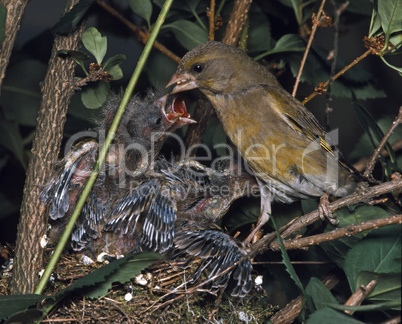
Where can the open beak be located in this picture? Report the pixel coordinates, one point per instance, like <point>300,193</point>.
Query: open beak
<point>174,110</point>
<point>183,82</point>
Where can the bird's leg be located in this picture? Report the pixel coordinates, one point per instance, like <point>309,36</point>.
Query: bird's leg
<point>324,211</point>
<point>265,212</point>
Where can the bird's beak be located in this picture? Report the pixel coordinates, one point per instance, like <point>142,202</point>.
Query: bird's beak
<point>174,110</point>
<point>183,82</point>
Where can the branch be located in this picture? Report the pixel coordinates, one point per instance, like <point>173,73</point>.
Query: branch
<point>57,90</point>
<point>236,22</point>
<point>376,154</point>
<point>333,55</point>
<point>298,223</point>
<point>346,68</point>
<point>337,233</point>
<point>310,41</point>
<point>359,295</point>
<point>15,10</point>
<point>211,18</point>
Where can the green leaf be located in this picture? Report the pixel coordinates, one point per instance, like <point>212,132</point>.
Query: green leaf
<point>370,126</point>
<point>116,72</point>
<point>188,33</point>
<point>287,43</point>
<point>364,147</point>
<point>366,308</point>
<point>111,65</point>
<point>338,249</point>
<point>375,23</point>
<point>94,96</point>
<point>10,138</point>
<point>287,262</point>
<point>78,56</point>
<point>388,287</point>
<point>13,304</point>
<point>72,18</point>
<point>259,36</point>
<point>98,282</point>
<point>330,316</point>
<point>318,296</point>
<point>142,8</point>
<point>129,267</point>
<point>379,252</point>
<point>390,12</point>
<point>3,19</point>
<point>95,43</point>
<point>112,61</point>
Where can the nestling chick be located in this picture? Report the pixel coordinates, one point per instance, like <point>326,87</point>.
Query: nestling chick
<point>195,196</point>
<point>281,141</point>
<point>139,137</point>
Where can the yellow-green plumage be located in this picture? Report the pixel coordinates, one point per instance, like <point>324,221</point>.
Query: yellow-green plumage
<point>281,141</point>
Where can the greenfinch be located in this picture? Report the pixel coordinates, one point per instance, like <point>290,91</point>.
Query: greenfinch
<point>280,140</point>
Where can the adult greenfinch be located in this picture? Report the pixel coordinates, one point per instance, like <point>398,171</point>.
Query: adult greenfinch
<point>281,141</point>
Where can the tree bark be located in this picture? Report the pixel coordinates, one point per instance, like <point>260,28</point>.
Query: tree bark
<point>15,9</point>
<point>57,90</point>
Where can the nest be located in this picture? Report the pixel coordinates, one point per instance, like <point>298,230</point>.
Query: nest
<point>160,295</point>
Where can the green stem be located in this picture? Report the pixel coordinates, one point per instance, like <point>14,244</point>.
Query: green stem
<point>88,186</point>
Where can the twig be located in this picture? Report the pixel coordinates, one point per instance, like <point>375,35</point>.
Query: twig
<point>83,309</point>
<point>310,41</point>
<point>359,295</point>
<point>303,221</point>
<point>346,68</point>
<point>334,56</point>
<point>236,22</point>
<point>211,16</point>
<point>337,233</point>
<point>376,154</point>
<point>141,35</point>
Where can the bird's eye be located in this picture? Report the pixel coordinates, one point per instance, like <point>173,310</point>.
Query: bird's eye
<point>197,68</point>
<point>155,122</point>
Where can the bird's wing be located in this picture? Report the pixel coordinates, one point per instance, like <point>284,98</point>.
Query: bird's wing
<point>218,251</point>
<point>189,173</point>
<point>91,220</point>
<point>146,211</point>
<point>74,170</point>
<point>297,116</point>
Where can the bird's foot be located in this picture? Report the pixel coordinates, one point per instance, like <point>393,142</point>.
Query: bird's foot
<point>324,210</point>
<point>254,235</point>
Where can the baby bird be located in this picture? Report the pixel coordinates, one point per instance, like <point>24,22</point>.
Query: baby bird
<point>195,196</point>
<point>139,137</point>
<point>281,141</point>
<point>166,207</point>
